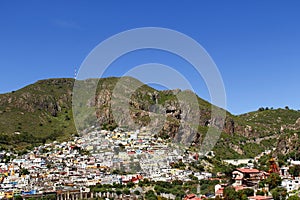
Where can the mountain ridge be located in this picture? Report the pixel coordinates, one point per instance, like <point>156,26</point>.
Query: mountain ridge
<point>42,111</point>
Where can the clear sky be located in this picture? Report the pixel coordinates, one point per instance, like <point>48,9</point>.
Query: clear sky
<point>255,44</point>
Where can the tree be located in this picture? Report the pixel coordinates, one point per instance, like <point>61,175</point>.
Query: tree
<point>294,197</point>
<point>158,189</point>
<point>294,170</point>
<point>126,191</point>
<point>230,194</point>
<point>24,171</point>
<point>192,177</point>
<point>130,184</point>
<point>260,192</point>
<point>279,193</point>
<point>18,197</point>
<point>50,197</point>
<point>150,195</point>
<point>177,182</point>
<point>273,180</point>
<point>248,192</point>
<point>143,183</point>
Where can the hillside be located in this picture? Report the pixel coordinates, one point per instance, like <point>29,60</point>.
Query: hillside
<point>36,113</point>
<point>43,111</point>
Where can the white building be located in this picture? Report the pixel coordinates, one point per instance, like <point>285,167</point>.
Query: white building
<point>291,184</point>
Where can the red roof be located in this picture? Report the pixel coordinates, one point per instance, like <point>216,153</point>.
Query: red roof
<point>135,179</point>
<point>220,191</point>
<point>237,188</point>
<point>246,170</point>
<point>260,197</point>
<point>192,197</point>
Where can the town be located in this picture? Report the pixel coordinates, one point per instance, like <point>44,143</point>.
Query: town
<point>125,161</point>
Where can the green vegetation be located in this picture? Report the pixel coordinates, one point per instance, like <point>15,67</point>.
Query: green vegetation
<point>220,166</point>
<point>231,194</point>
<point>24,171</point>
<point>150,195</point>
<point>42,112</point>
<point>36,114</point>
<point>264,163</point>
<point>268,122</point>
<point>208,186</point>
<point>294,170</point>
<point>279,193</point>
<point>177,188</point>
<point>294,197</point>
<point>273,181</point>
<point>118,188</point>
<point>178,165</point>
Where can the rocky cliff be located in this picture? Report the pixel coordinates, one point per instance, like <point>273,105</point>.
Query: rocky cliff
<point>43,111</point>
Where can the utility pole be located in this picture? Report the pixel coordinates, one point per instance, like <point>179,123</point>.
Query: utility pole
<point>198,189</point>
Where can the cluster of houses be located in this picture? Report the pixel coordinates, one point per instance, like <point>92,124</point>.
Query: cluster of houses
<point>105,157</point>
<point>249,178</point>
<point>139,152</point>
<point>120,157</point>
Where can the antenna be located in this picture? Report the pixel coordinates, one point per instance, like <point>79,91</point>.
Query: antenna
<point>75,73</point>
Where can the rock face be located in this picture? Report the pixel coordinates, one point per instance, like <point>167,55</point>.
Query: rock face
<point>144,106</point>
<point>290,127</point>
<point>229,126</point>
<point>287,144</point>
<point>297,124</point>
<point>39,97</point>
<point>46,107</point>
<point>172,113</point>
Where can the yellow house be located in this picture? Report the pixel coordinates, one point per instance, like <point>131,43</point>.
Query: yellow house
<point>1,194</point>
<point>8,195</point>
<point>91,167</point>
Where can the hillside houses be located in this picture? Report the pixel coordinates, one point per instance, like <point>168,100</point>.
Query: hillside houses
<point>98,157</point>
<point>247,177</point>
<point>114,157</point>
<point>250,178</point>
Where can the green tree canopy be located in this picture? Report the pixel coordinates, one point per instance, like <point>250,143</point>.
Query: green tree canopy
<point>279,193</point>
<point>230,194</point>
<point>150,195</point>
<point>294,197</point>
<point>274,180</point>
<point>294,170</point>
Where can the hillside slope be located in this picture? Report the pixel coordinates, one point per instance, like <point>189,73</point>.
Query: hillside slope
<point>43,111</point>
<point>36,113</point>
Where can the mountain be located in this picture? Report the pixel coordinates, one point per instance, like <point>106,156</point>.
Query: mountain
<point>42,111</point>
<point>36,113</point>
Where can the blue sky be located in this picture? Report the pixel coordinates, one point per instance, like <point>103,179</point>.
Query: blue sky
<point>255,44</point>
